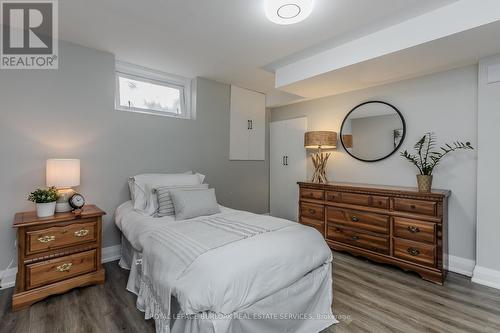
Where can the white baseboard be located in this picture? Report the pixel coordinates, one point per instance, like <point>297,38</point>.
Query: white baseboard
<point>110,253</point>
<point>460,265</point>
<point>486,276</point>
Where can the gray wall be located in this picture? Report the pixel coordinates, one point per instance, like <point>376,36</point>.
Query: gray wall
<point>70,113</point>
<point>445,103</point>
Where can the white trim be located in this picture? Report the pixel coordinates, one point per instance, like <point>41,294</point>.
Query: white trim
<point>110,253</point>
<point>486,276</point>
<point>460,265</point>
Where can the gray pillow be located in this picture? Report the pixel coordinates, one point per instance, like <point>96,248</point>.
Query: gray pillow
<point>193,203</point>
<point>165,204</point>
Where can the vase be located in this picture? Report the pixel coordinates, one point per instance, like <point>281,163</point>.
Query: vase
<point>45,209</point>
<point>424,183</point>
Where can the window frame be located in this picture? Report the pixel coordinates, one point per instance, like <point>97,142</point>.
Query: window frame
<point>139,73</point>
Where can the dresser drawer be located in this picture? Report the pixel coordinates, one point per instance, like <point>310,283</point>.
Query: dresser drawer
<point>356,199</point>
<point>358,239</point>
<point>312,211</point>
<point>59,269</point>
<point>415,206</point>
<point>361,220</point>
<point>380,202</point>
<point>316,224</point>
<point>307,193</point>
<point>419,231</point>
<point>333,196</point>
<point>420,253</point>
<point>60,236</point>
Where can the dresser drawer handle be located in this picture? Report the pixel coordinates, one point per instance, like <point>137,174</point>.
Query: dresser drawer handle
<point>64,267</point>
<point>354,219</point>
<point>413,229</point>
<point>47,239</point>
<point>81,233</point>
<point>312,211</point>
<point>355,238</point>
<point>413,251</point>
<point>413,207</point>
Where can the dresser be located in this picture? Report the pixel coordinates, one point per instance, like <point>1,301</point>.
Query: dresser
<point>392,225</point>
<point>56,254</point>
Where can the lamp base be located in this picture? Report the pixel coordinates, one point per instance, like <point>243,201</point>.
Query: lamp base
<point>319,161</point>
<point>62,204</point>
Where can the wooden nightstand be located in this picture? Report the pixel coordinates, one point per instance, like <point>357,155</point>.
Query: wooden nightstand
<point>56,254</point>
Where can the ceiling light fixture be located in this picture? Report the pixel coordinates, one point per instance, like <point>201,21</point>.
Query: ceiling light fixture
<point>288,11</point>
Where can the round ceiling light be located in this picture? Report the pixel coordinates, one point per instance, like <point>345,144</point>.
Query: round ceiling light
<point>288,11</point>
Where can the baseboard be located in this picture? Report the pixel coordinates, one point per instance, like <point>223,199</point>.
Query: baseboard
<point>110,253</point>
<point>460,265</point>
<point>486,276</point>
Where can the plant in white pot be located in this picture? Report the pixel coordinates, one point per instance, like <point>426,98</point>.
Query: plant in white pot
<point>45,200</point>
<point>428,157</point>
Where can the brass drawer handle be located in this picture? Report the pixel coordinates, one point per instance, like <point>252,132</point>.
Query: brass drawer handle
<point>46,239</point>
<point>312,211</point>
<point>355,238</point>
<point>81,233</point>
<point>64,267</point>
<point>413,207</point>
<point>413,229</point>
<point>413,251</point>
<point>354,219</point>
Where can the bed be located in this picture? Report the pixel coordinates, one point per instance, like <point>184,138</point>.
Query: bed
<point>229,272</point>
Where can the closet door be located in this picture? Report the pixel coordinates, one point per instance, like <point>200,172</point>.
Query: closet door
<point>288,166</point>
<point>247,125</point>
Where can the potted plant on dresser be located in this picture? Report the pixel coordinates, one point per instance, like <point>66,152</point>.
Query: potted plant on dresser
<point>45,200</point>
<point>428,157</point>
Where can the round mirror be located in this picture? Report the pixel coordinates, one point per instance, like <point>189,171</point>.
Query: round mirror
<point>373,131</point>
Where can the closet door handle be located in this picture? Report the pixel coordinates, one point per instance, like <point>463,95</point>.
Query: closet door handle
<point>248,124</point>
<point>251,124</point>
<point>286,160</point>
<point>283,162</point>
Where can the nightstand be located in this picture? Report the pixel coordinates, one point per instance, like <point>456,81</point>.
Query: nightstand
<point>57,254</point>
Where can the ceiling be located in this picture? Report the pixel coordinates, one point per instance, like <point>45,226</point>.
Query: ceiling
<point>225,40</point>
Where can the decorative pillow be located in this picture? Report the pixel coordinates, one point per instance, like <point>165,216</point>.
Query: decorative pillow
<point>141,187</point>
<point>193,203</point>
<point>165,204</point>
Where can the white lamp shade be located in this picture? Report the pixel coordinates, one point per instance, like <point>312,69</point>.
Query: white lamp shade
<point>63,173</point>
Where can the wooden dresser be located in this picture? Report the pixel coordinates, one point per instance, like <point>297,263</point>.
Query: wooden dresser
<point>393,225</point>
<point>56,254</point>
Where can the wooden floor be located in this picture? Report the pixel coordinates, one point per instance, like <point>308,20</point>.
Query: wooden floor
<point>368,297</point>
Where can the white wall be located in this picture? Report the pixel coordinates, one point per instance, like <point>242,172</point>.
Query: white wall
<point>488,182</point>
<point>70,113</point>
<point>445,103</point>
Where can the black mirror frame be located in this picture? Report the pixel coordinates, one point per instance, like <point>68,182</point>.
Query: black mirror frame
<point>395,149</point>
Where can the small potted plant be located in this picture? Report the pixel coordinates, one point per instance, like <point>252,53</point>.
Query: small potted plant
<point>428,157</point>
<point>45,200</point>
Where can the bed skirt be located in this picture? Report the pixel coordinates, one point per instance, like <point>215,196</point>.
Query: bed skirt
<point>304,306</point>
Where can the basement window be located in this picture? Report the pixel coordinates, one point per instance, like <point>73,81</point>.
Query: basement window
<point>144,90</point>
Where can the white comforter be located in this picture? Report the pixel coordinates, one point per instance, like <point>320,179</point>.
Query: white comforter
<point>223,272</point>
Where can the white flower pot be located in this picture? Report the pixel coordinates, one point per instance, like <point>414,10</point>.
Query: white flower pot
<point>45,209</point>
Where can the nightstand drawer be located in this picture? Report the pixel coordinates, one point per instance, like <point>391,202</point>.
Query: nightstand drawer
<point>59,269</point>
<point>61,236</point>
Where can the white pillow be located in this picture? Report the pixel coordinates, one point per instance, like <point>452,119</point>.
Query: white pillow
<point>189,204</point>
<point>144,199</point>
<point>165,204</point>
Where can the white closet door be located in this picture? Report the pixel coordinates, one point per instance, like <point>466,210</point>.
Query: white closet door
<point>247,125</point>
<point>277,167</point>
<point>257,133</point>
<point>288,166</point>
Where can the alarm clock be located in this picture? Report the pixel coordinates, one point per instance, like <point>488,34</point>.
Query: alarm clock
<point>77,201</point>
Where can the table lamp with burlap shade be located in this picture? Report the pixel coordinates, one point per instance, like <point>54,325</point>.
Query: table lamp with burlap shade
<point>320,140</point>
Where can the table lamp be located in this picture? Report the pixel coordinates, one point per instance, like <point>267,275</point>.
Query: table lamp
<point>320,140</point>
<point>63,174</point>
